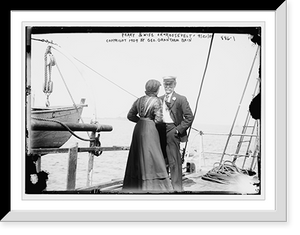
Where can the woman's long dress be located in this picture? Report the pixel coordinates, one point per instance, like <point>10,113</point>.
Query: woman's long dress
<point>146,168</point>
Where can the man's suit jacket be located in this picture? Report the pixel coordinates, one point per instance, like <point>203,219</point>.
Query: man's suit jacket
<point>180,113</point>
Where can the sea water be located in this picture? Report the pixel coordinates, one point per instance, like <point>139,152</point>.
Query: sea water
<point>110,165</point>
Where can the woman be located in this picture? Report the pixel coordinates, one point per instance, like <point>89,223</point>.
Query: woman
<point>146,168</point>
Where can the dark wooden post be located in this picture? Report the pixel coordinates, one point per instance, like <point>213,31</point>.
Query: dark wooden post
<point>71,178</point>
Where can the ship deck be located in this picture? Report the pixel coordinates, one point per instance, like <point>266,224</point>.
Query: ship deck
<point>193,183</point>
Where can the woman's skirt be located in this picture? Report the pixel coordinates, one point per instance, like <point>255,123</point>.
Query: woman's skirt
<point>146,169</point>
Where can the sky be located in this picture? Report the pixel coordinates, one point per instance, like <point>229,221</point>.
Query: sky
<point>130,60</point>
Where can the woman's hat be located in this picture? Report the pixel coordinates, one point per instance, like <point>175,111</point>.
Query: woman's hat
<point>152,86</point>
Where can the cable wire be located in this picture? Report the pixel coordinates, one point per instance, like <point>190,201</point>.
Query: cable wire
<point>199,93</point>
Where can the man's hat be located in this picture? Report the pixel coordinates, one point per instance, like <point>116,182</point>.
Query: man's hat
<point>169,79</point>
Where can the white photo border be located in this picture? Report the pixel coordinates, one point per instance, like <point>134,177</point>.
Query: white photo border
<point>22,210</point>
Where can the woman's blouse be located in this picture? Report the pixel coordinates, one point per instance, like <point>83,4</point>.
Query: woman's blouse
<point>146,107</point>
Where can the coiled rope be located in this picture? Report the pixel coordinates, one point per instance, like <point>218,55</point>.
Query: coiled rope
<point>226,173</point>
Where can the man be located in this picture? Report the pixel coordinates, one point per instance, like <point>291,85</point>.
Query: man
<point>177,118</point>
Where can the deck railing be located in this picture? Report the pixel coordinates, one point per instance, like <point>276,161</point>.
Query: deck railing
<point>72,160</point>
<point>94,149</point>
<point>247,155</point>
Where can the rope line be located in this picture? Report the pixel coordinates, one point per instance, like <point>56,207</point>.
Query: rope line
<point>107,79</point>
<point>200,89</point>
<point>74,104</point>
<point>71,61</point>
<point>241,100</point>
<point>62,77</point>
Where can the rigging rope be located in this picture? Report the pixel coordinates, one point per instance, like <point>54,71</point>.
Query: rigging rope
<point>50,42</point>
<point>241,100</point>
<point>62,77</point>
<point>200,89</point>
<point>105,77</point>
<point>55,44</point>
<point>65,55</point>
<point>74,104</point>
